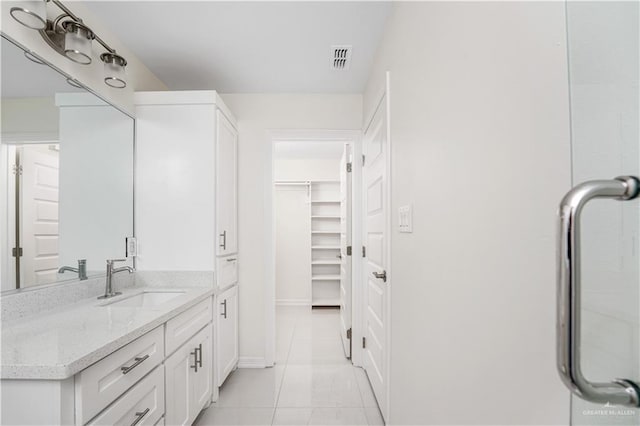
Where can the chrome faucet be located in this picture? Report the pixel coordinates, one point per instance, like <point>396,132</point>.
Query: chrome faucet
<point>108,292</point>
<point>81,270</point>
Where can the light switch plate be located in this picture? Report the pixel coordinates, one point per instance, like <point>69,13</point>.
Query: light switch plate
<point>131,247</point>
<point>405,219</point>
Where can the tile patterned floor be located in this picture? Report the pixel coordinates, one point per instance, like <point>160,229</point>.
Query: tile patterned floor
<point>311,384</point>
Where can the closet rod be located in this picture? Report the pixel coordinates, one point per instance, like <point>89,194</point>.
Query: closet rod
<point>292,183</point>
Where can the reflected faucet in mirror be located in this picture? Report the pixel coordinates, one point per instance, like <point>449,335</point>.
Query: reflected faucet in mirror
<point>108,292</point>
<point>81,270</point>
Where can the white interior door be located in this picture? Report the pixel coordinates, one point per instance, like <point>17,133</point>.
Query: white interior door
<point>345,258</point>
<point>39,208</point>
<point>376,241</point>
<point>227,182</point>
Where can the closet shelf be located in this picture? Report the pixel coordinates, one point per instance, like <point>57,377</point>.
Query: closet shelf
<point>325,278</point>
<point>325,201</point>
<point>325,302</point>
<point>326,232</point>
<point>325,247</point>
<point>326,262</point>
<point>325,217</point>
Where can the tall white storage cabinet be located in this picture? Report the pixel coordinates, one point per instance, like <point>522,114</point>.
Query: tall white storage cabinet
<point>186,200</point>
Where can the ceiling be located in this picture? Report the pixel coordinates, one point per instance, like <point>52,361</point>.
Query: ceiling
<point>249,47</point>
<point>22,78</point>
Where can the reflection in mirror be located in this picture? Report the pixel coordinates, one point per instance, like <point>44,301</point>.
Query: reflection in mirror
<point>66,176</point>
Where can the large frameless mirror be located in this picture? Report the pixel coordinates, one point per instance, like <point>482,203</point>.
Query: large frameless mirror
<point>66,176</point>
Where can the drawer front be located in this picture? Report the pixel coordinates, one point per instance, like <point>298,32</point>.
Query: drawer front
<point>227,271</point>
<point>184,326</point>
<point>141,405</point>
<point>100,384</point>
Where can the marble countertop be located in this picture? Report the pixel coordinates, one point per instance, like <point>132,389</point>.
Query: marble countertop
<point>62,342</point>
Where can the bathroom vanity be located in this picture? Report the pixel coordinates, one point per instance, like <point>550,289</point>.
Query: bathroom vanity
<point>144,357</point>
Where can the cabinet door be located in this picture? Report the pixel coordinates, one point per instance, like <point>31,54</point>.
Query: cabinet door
<point>202,383</point>
<point>226,186</point>
<point>188,377</point>
<point>178,375</point>
<point>227,336</point>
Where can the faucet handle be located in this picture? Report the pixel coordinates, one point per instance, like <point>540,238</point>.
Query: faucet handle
<point>112,261</point>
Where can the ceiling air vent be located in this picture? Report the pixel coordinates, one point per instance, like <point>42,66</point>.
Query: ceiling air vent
<point>340,57</point>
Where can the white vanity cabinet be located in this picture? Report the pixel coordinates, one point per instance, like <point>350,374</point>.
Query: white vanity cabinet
<point>227,333</point>
<point>164,376</point>
<point>186,167</point>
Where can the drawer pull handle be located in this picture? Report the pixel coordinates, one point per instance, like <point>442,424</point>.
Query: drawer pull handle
<point>197,361</point>
<point>232,260</point>
<point>138,361</point>
<point>139,416</point>
<point>224,313</point>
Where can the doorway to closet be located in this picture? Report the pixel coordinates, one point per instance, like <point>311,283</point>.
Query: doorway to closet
<point>313,247</point>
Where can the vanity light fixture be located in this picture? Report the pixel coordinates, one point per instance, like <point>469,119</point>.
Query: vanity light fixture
<point>114,70</point>
<point>33,15</point>
<point>70,37</point>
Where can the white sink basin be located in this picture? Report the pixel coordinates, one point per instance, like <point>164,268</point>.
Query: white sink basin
<point>147,299</point>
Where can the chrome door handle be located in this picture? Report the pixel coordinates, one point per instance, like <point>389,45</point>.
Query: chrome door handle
<point>138,361</point>
<point>381,275</point>
<point>224,240</point>
<point>619,391</point>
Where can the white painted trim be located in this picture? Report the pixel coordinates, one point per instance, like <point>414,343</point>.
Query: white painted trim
<point>318,135</point>
<point>293,302</point>
<point>251,362</point>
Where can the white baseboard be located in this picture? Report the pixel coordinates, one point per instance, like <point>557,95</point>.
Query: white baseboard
<point>251,362</point>
<point>293,302</point>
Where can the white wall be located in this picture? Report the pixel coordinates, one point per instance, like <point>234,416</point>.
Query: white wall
<point>306,169</point>
<point>138,75</point>
<point>293,245</point>
<point>257,114</point>
<point>480,147</point>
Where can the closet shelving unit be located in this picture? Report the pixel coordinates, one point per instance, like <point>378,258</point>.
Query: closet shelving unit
<point>324,200</point>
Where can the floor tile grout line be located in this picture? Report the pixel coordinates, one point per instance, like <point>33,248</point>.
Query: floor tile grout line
<point>284,370</point>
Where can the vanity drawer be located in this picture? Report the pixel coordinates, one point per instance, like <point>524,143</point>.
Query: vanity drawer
<point>101,383</point>
<point>184,326</point>
<point>141,405</point>
<point>227,271</point>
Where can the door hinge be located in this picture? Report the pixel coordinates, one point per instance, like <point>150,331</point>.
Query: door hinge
<point>364,251</point>
<point>349,334</point>
<point>349,250</point>
<point>363,159</point>
<point>348,167</point>
<point>17,169</point>
<point>364,342</point>
<point>16,251</point>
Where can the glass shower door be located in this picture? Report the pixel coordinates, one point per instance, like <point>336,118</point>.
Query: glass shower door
<point>604,55</point>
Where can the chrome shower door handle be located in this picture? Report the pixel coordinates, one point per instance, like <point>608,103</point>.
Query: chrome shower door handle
<point>619,391</point>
